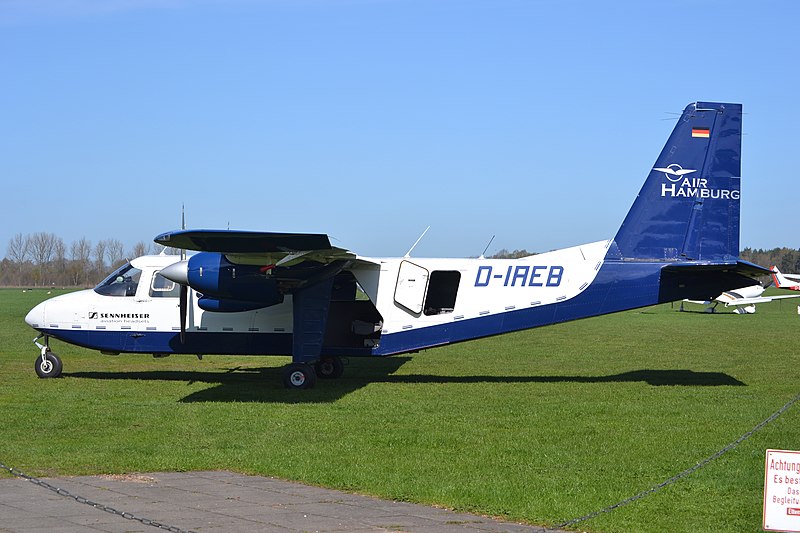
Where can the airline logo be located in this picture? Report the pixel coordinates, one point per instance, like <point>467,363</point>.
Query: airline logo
<point>674,172</point>
<point>679,184</point>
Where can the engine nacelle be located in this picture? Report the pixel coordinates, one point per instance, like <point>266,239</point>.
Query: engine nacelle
<point>211,274</point>
<point>216,305</point>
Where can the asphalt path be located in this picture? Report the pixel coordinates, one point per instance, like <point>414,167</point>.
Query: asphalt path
<point>217,501</point>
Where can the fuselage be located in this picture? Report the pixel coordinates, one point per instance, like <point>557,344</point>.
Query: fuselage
<point>402,304</point>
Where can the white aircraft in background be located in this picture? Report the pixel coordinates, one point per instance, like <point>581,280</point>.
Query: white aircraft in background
<point>785,281</point>
<point>293,294</point>
<point>743,300</point>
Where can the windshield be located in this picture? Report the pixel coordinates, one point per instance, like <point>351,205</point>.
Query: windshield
<point>121,282</point>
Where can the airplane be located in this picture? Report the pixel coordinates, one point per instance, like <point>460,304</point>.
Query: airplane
<point>294,294</point>
<point>743,300</point>
<point>785,281</point>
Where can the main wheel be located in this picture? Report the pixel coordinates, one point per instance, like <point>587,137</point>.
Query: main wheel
<point>299,376</point>
<point>48,365</point>
<point>329,367</point>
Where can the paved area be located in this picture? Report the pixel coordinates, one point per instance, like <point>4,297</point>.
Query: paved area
<point>219,501</point>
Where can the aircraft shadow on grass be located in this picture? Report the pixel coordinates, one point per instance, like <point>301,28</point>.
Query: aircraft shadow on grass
<point>264,384</point>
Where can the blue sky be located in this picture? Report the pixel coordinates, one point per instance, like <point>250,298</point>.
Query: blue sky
<point>535,121</point>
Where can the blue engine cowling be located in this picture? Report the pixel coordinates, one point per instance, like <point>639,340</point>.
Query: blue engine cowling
<point>227,287</point>
<point>216,305</point>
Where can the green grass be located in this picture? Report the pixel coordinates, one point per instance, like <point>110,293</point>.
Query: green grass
<point>539,426</point>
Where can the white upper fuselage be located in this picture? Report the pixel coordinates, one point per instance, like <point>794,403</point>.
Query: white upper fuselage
<point>485,286</point>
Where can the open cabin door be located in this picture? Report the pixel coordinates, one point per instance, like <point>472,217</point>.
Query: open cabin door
<point>412,283</point>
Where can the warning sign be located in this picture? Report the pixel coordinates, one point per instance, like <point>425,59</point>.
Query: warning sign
<point>782,491</point>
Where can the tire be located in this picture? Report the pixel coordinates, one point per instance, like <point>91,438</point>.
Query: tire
<point>329,367</point>
<point>299,376</point>
<point>48,366</point>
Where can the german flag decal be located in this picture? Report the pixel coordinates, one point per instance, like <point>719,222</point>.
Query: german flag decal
<point>701,132</point>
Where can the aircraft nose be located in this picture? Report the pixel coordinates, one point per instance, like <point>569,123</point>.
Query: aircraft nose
<point>35,317</point>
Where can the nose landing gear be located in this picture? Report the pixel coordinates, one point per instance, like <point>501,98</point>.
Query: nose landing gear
<point>48,364</point>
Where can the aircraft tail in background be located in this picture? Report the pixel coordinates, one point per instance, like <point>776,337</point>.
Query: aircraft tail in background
<point>785,281</point>
<point>688,208</point>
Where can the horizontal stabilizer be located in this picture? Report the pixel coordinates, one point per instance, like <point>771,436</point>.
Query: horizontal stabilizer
<point>704,281</point>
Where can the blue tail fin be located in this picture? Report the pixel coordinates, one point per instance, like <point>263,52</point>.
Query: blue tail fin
<point>688,209</point>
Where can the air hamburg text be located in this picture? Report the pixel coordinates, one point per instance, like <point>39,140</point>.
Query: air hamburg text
<point>521,276</point>
<point>696,188</point>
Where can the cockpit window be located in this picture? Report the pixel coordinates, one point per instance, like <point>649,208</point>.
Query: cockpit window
<point>122,282</point>
<point>161,287</point>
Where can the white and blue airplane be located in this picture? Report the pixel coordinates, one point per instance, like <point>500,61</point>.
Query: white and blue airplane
<point>742,300</point>
<point>263,293</point>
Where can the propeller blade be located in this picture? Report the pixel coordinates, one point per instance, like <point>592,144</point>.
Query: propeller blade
<point>184,296</point>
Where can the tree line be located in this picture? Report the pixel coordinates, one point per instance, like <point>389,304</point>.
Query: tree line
<point>44,260</point>
<point>786,259</point>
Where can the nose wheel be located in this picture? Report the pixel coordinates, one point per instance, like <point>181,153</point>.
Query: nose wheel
<point>48,364</point>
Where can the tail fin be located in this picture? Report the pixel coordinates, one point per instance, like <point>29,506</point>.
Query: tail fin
<point>688,208</point>
<point>782,282</point>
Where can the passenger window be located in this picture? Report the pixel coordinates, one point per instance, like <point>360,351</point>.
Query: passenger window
<point>442,291</point>
<point>161,287</point>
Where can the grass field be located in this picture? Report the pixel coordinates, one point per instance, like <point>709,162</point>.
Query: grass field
<point>540,426</point>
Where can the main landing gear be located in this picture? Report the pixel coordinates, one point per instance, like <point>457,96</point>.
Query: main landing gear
<point>48,364</point>
<point>304,375</point>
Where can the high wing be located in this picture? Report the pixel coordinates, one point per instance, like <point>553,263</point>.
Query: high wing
<point>245,270</point>
<point>258,247</point>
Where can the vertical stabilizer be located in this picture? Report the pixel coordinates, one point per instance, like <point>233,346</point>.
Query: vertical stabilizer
<point>688,208</point>
<point>783,282</point>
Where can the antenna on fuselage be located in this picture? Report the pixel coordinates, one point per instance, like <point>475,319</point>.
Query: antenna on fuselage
<point>483,254</point>
<point>408,253</point>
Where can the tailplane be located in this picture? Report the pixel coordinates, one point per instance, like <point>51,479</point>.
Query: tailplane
<point>688,208</point>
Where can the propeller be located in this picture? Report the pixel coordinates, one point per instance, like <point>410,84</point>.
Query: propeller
<point>184,295</point>
<point>179,273</point>
<point>182,307</point>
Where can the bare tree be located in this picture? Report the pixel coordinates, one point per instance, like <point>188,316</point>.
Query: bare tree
<point>19,248</point>
<point>80,254</point>
<point>58,267</point>
<point>116,252</point>
<point>100,257</point>
<point>43,246</point>
<point>140,249</point>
